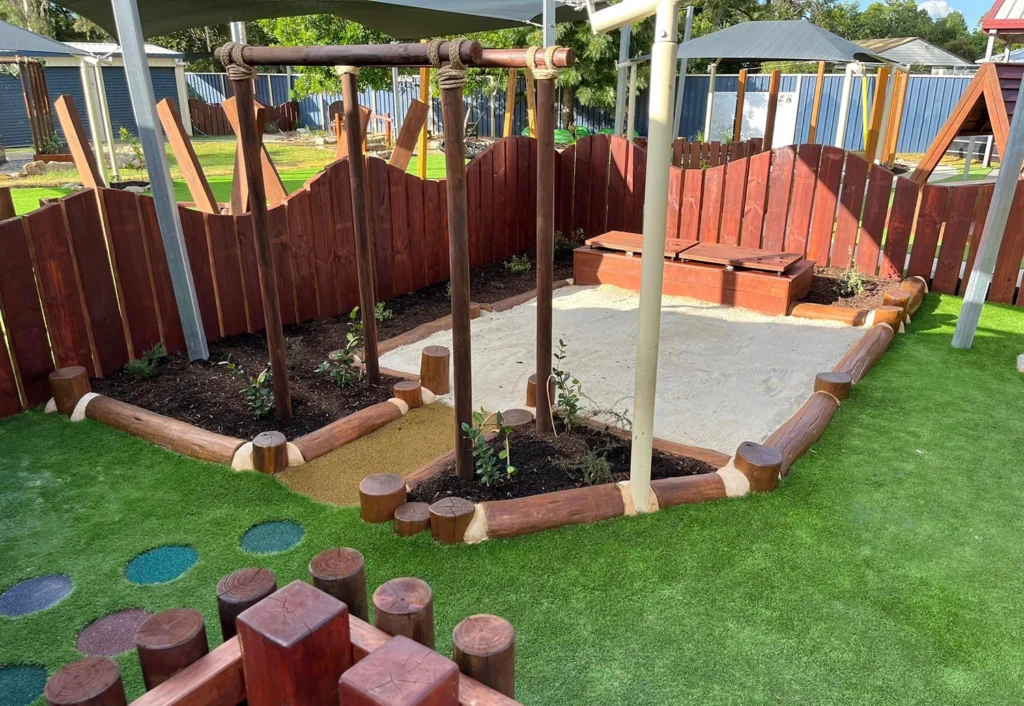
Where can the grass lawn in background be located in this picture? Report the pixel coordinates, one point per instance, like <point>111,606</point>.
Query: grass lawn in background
<point>884,570</point>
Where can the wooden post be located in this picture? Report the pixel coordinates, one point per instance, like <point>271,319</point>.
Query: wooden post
<point>185,153</point>
<point>78,143</point>
<point>275,191</point>
<point>421,164</point>
<point>405,606</point>
<point>295,646</point>
<point>510,102</point>
<point>68,386</point>
<point>402,673</point>
<point>773,106</point>
<point>341,572</point>
<point>270,452</point>
<point>168,642</point>
<point>835,384</point>
<point>93,681</point>
<point>760,464</point>
<point>410,392</point>
<point>434,369</point>
<point>250,145</point>
<point>896,117</point>
<point>450,518</point>
<point>360,226</point>
<point>6,204</point>
<point>531,102</point>
<point>819,87</point>
<point>877,108</point>
<point>545,242</point>
<point>411,519</point>
<point>741,93</point>
<point>412,129</point>
<point>239,591</point>
<point>380,494</point>
<point>484,647</point>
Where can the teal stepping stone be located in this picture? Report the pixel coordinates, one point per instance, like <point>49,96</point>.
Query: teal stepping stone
<point>21,684</point>
<point>161,564</point>
<point>34,595</point>
<point>272,537</point>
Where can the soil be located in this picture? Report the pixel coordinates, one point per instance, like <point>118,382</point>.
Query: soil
<point>548,464</point>
<point>209,394</point>
<point>828,287</point>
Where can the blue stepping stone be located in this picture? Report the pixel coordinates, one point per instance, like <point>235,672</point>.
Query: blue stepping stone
<point>161,564</point>
<point>272,537</point>
<point>21,684</point>
<point>34,595</point>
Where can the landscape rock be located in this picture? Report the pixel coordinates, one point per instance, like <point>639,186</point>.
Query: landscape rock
<point>136,189</point>
<point>54,167</point>
<point>34,169</point>
<point>1020,363</point>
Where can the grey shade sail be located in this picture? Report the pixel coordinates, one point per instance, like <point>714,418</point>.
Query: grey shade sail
<point>402,19</point>
<point>21,42</point>
<point>779,40</point>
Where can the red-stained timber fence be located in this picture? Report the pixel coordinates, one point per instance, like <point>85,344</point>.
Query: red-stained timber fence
<point>210,119</point>
<point>84,280</point>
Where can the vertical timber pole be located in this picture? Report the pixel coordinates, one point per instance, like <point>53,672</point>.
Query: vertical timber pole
<point>631,119</point>
<point>713,75</point>
<point>360,224</point>
<point>421,163</point>
<point>250,146</point>
<point>620,84</point>
<point>677,114</point>
<point>140,88</point>
<point>652,268</point>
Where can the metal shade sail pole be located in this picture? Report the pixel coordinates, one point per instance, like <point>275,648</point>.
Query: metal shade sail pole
<point>140,88</point>
<point>677,114</point>
<point>620,85</point>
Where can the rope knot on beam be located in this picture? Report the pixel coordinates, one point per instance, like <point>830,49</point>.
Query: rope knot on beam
<point>234,64</point>
<point>452,74</point>
<point>549,72</point>
<point>342,70</point>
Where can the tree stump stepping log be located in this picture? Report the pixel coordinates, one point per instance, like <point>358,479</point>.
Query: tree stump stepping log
<point>68,386</point>
<point>760,464</point>
<point>411,519</point>
<point>239,591</point>
<point>434,367</point>
<point>380,494</point>
<point>517,418</point>
<point>270,452</point>
<point>405,606</point>
<point>93,681</point>
<point>168,642</point>
<point>835,384</point>
<point>401,673</point>
<point>409,392</point>
<point>484,647</point>
<point>449,518</point>
<point>341,572</point>
<point>531,391</point>
<point>900,298</point>
<point>892,315</point>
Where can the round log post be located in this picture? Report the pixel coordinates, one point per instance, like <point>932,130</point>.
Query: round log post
<point>380,494</point>
<point>6,204</point>
<point>545,239</point>
<point>270,452</point>
<point>239,591</point>
<point>484,647</point>
<point>409,392</point>
<point>760,464</point>
<point>434,370</point>
<point>411,519</point>
<point>168,642</point>
<point>917,288</point>
<point>531,391</point>
<point>892,315</point>
<point>405,606</point>
<point>341,572</point>
<point>835,384</point>
<point>517,418</point>
<point>68,386</point>
<point>900,298</point>
<point>449,518</point>
<point>93,681</point>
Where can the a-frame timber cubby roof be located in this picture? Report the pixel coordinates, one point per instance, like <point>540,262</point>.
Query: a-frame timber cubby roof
<point>985,108</point>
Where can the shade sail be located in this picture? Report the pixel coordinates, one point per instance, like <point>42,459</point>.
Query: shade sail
<point>781,40</point>
<point>21,42</point>
<point>402,19</point>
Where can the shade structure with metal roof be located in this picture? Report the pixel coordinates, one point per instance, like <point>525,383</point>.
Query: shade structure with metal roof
<point>15,41</point>
<point>1006,19</point>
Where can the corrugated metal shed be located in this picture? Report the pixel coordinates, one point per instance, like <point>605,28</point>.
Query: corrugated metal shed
<point>119,100</point>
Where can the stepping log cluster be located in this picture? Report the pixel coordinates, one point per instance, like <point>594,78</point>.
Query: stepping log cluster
<point>383,498</point>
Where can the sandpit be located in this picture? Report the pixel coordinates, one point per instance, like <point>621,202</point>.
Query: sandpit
<point>725,375</point>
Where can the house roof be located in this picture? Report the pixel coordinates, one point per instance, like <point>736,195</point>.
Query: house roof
<point>1006,17</point>
<point>20,42</point>
<point>880,45</point>
<point>912,50</point>
<point>101,49</point>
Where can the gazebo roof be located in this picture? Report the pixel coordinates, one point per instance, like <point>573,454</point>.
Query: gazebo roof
<point>15,41</point>
<point>1006,18</point>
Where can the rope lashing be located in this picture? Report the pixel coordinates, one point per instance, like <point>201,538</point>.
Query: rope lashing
<point>342,70</point>
<point>452,74</point>
<point>549,72</point>
<point>234,64</point>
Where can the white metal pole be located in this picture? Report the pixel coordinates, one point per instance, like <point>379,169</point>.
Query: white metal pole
<point>660,134</point>
<point>108,129</point>
<point>549,23</point>
<point>968,157</point>
<point>238,33</point>
<point>631,119</point>
<point>179,79</point>
<point>620,87</point>
<point>992,236</point>
<point>844,105</point>
<point>140,88</point>
<point>711,100</point>
<point>92,111</point>
<point>677,114</point>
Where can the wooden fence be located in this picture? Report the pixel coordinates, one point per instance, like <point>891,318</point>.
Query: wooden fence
<point>210,119</point>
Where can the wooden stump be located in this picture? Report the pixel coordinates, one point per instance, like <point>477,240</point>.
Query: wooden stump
<point>409,392</point>
<point>892,315</point>
<point>531,392</point>
<point>401,673</point>
<point>760,464</point>
<point>168,642</point>
<point>380,494</point>
<point>270,452</point>
<point>484,647</point>
<point>68,386</point>
<point>900,298</point>
<point>411,519</point>
<point>517,418</point>
<point>405,606</point>
<point>917,288</point>
<point>93,681</point>
<point>865,352</point>
<point>341,572</point>
<point>835,384</point>
<point>449,518</point>
<point>239,591</point>
<point>434,369</point>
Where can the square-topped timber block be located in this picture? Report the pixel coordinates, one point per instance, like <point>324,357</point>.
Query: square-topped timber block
<point>764,292</point>
<point>401,673</point>
<point>295,646</point>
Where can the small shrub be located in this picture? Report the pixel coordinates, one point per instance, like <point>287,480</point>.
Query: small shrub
<point>259,394</point>
<point>146,366</point>
<point>564,245</point>
<point>448,289</point>
<point>342,365</point>
<point>380,312</point>
<point>568,388</point>
<point>272,127</point>
<point>852,282</point>
<point>592,468</point>
<point>132,142</point>
<point>518,264</point>
<point>488,463</point>
<point>53,145</point>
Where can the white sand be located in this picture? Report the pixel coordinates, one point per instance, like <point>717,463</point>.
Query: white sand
<point>725,375</point>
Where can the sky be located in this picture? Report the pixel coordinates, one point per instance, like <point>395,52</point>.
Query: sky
<point>972,9</point>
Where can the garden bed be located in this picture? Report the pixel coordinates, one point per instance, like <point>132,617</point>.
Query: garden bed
<point>831,286</point>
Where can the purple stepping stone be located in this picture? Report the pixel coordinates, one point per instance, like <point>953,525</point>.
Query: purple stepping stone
<point>112,634</point>
<point>34,595</point>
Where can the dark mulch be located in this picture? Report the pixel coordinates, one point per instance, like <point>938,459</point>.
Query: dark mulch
<point>828,288</point>
<point>545,464</point>
<point>209,395</point>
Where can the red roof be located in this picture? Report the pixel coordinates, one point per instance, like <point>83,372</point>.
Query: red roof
<point>1005,17</point>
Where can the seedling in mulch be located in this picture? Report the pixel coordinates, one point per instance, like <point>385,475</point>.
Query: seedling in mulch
<point>592,467</point>
<point>342,365</point>
<point>380,312</point>
<point>852,283</point>
<point>568,388</point>
<point>146,366</point>
<point>518,264</point>
<point>258,392</point>
<point>488,463</point>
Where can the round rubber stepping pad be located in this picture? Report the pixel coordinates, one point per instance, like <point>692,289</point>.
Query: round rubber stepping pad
<point>112,634</point>
<point>161,564</point>
<point>272,537</point>
<point>21,684</point>
<point>34,595</point>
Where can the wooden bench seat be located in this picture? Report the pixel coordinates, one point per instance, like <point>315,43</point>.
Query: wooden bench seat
<point>632,243</point>
<point>737,257</point>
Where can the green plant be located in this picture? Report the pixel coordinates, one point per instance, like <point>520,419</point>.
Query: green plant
<point>146,366</point>
<point>518,264</point>
<point>565,245</point>
<point>272,127</point>
<point>342,365</point>
<point>380,312</point>
<point>259,393</point>
<point>568,388</point>
<point>592,466</point>
<point>488,463</point>
<point>134,146</point>
<point>53,145</point>
<point>448,289</point>
<point>852,282</point>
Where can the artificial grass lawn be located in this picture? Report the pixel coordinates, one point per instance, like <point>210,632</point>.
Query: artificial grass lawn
<point>884,570</point>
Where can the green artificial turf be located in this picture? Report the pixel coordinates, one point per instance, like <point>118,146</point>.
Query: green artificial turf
<point>886,569</point>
